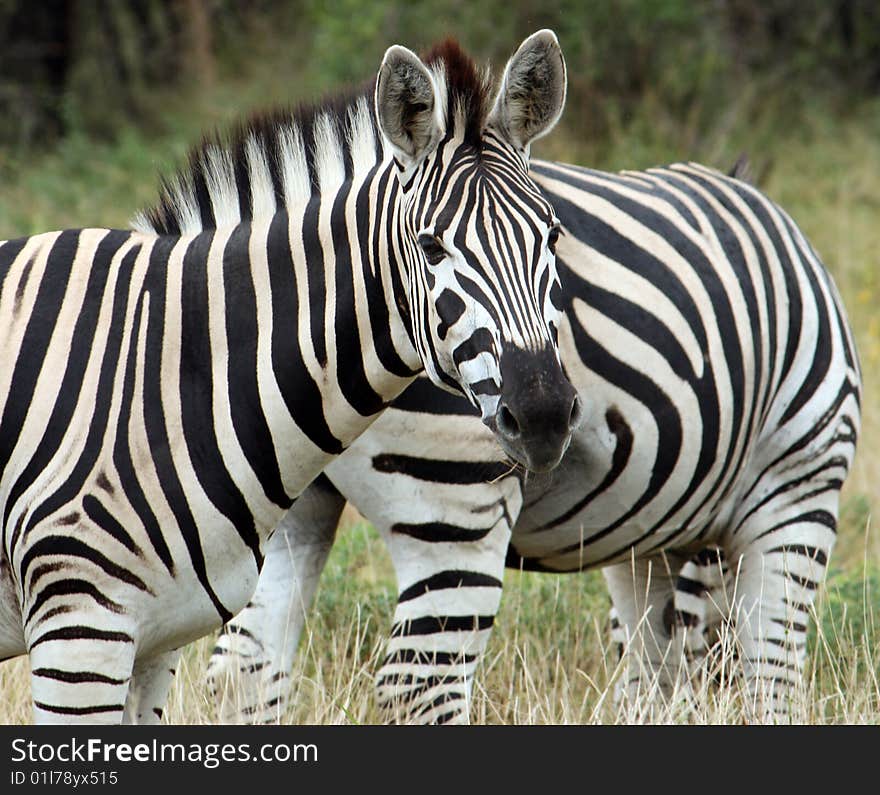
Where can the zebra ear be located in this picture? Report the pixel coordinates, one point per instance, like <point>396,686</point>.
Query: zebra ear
<point>406,105</point>
<point>532,93</point>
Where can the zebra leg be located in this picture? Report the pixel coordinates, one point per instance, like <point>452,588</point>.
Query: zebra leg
<point>778,561</point>
<point>643,596</point>
<point>700,609</point>
<point>249,669</point>
<point>149,688</point>
<point>79,673</point>
<point>449,591</point>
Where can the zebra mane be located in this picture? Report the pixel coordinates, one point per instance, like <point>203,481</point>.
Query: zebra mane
<point>272,159</point>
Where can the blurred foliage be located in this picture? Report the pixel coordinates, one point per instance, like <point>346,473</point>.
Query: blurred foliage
<point>88,65</point>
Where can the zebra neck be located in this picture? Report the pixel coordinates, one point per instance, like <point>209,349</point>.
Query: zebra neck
<point>291,344</point>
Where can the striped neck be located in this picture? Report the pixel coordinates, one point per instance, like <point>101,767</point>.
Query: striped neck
<point>291,340</point>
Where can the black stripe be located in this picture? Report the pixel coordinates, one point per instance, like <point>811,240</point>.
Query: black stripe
<point>248,419</point>
<point>9,252</point>
<point>242,181</point>
<point>823,352</point>
<point>69,587</point>
<point>453,578</point>
<point>431,625</point>
<point>450,308</point>
<point>416,685</point>
<point>34,344</point>
<point>440,532</point>
<point>438,471</point>
<point>314,254</point>
<point>804,582</point>
<point>689,586</point>
<point>301,394</point>
<point>423,397</point>
<point>79,710</point>
<point>108,523</point>
<point>812,553</point>
<point>75,677</point>
<point>202,196</point>
<point>486,386</point>
<point>68,546</point>
<point>197,397</point>
<point>154,419</point>
<point>439,701</point>
<point>80,632</point>
<point>350,373</point>
<point>154,286</point>
<point>416,657</point>
<point>481,341</point>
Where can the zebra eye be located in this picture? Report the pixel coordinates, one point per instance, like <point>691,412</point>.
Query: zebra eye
<point>553,238</point>
<point>433,248</point>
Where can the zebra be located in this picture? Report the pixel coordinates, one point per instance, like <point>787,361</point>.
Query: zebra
<point>169,390</point>
<point>721,399</point>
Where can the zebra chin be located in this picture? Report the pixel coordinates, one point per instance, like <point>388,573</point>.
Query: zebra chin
<point>538,409</point>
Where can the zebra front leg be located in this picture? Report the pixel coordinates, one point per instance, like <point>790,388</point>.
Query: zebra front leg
<point>249,669</point>
<point>449,590</point>
<point>149,688</point>
<point>81,668</point>
<point>643,593</point>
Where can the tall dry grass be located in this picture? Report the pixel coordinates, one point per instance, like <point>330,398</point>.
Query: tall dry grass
<point>550,659</point>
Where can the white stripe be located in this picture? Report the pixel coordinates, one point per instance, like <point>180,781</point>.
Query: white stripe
<point>262,191</point>
<point>220,179</point>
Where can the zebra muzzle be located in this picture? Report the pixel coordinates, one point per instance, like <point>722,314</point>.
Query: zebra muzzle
<point>538,409</point>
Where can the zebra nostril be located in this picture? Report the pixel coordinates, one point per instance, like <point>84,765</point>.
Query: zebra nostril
<point>506,422</point>
<point>574,419</point>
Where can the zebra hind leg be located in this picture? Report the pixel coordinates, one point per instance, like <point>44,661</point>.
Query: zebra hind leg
<point>149,688</point>
<point>249,670</point>
<point>699,613</point>
<point>655,671</point>
<point>778,561</point>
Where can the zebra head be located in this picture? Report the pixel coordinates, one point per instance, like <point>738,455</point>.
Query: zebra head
<point>478,236</point>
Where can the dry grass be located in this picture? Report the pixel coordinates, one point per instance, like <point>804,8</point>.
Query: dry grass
<point>550,659</point>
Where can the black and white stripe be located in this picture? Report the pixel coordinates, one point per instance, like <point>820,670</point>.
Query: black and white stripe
<point>168,392</point>
<point>721,395</point>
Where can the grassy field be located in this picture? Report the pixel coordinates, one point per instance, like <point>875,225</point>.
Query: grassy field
<point>550,659</point>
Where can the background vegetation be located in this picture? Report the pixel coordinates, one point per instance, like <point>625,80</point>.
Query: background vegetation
<point>98,96</point>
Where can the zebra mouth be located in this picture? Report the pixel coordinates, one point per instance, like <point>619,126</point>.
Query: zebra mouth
<point>542,446</point>
<point>539,455</point>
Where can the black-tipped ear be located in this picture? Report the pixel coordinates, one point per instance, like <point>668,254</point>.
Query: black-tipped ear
<point>532,93</point>
<point>406,105</point>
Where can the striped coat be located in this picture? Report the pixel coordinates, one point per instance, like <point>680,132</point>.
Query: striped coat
<point>720,389</point>
<point>169,391</point>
